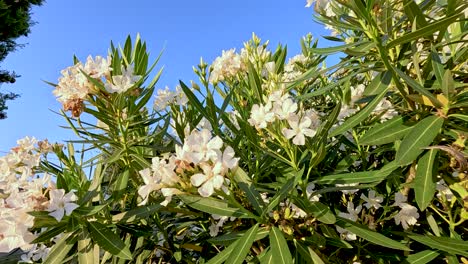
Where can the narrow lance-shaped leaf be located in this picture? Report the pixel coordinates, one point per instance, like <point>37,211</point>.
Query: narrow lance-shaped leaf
<point>331,50</point>
<point>317,209</point>
<point>424,31</point>
<point>279,247</point>
<point>214,206</point>
<point>424,182</point>
<point>60,250</point>
<point>437,67</point>
<point>243,246</point>
<point>422,257</point>
<point>367,110</point>
<point>450,245</point>
<point>283,192</point>
<point>421,135</point>
<point>386,132</point>
<point>418,87</point>
<point>108,240</point>
<point>448,86</point>
<point>85,250</point>
<point>223,255</point>
<point>370,235</point>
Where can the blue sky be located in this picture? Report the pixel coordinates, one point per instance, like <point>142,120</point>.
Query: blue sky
<point>187,30</point>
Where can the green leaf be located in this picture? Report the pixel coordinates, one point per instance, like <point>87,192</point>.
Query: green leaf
<point>418,87</point>
<point>43,219</point>
<point>89,210</point>
<point>369,235</point>
<point>378,84</point>
<point>422,257</point>
<point>223,255</point>
<point>214,206</point>
<point>46,236</point>
<point>252,194</point>
<point>317,209</point>
<point>367,110</point>
<point>414,13</point>
<point>421,135</point>
<point>425,180</point>
<point>120,183</point>
<point>86,250</point>
<point>386,132</point>
<point>283,192</point>
<point>450,245</point>
<point>331,50</point>
<point>460,116</point>
<point>194,101</point>
<point>307,253</point>
<point>243,246</point>
<point>254,81</point>
<point>279,247</point>
<point>437,67</point>
<point>135,214</point>
<point>60,250</point>
<point>267,258</point>
<point>353,177</point>
<point>448,86</point>
<point>424,31</point>
<point>229,238</point>
<point>108,240</point>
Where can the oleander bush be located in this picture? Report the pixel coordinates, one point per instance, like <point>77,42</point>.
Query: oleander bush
<point>266,158</point>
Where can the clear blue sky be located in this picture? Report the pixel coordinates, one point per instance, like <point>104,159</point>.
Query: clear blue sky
<point>187,29</point>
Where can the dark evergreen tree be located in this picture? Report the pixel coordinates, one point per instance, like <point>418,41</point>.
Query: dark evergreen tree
<point>15,22</point>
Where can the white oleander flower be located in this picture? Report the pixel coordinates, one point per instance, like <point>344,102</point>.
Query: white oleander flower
<point>353,215</point>
<point>210,180</point>
<point>61,204</point>
<point>202,146</point>
<point>160,176</point>
<point>407,216</point>
<point>73,85</point>
<point>35,253</point>
<point>98,67</point>
<point>443,189</point>
<point>372,200</point>
<point>227,159</point>
<point>400,199</point>
<point>121,83</point>
<point>300,128</point>
<point>163,99</point>
<point>285,109</point>
<point>26,144</point>
<point>261,115</point>
<point>215,227</point>
<point>226,66</point>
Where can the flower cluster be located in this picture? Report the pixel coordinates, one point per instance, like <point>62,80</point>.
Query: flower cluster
<point>281,106</point>
<point>202,151</point>
<point>75,84</point>
<point>227,66</point>
<point>23,192</point>
<point>166,97</point>
<point>200,158</point>
<point>408,214</point>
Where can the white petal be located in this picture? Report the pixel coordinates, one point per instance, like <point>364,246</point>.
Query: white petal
<point>299,140</point>
<point>70,207</point>
<point>288,133</point>
<point>206,189</point>
<point>58,214</point>
<point>198,179</point>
